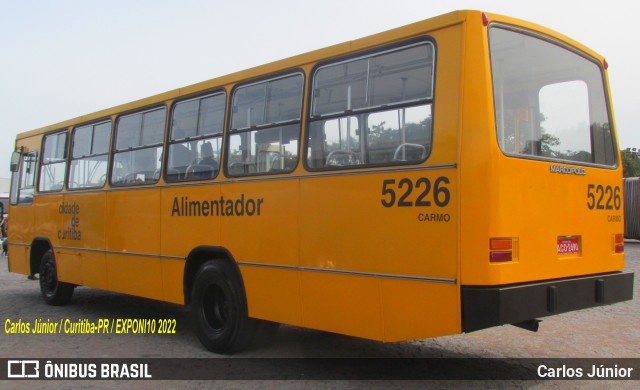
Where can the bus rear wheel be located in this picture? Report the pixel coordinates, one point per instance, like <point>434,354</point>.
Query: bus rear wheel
<point>53,291</point>
<point>219,309</point>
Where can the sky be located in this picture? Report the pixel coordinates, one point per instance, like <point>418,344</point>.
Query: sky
<point>60,59</point>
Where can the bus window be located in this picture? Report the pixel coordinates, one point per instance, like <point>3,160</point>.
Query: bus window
<point>549,100</point>
<point>196,138</point>
<point>353,119</point>
<point>266,126</point>
<point>139,143</point>
<point>54,162</point>
<point>342,141</point>
<point>89,155</point>
<point>399,135</point>
<point>564,120</point>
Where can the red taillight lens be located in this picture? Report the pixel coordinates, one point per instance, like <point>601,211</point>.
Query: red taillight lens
<point>500,256</point>
<point>500,244</point>
<point>618,246</point>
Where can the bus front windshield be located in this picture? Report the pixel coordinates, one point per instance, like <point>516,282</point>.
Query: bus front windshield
<point>550,101</point>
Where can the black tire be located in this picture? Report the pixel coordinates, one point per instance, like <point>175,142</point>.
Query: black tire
<point>54,292</point>
<point>219,309</point>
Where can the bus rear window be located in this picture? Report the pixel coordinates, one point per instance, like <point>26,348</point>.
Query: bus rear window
<point>550,101</point>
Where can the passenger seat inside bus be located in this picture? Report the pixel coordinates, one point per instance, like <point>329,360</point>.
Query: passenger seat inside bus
<point>207,166</point>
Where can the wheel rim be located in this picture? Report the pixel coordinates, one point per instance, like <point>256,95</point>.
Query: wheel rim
<point>215,307</point>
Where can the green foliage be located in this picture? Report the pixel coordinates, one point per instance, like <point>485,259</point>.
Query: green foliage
<point>630,164</point>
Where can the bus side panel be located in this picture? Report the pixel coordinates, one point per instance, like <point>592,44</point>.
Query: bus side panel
<point>19,259</point>
<point>416,309</point>
<point>186,221</point>
<point>92,228</point>
<point>135,275</point>
<point>94,270</point>
<point>348,229</point>
<point>352,224</point>
<point>172,281</point>
<point>47,218</point>
<point>58,224</point>
<point>82,225</point>
<point>69,265</point>
<point>260,226</point>
<point>132,241</point>
<point>344,304</point>
<point>190,218</point>
<point>273,294</point>
<point>260,221</point>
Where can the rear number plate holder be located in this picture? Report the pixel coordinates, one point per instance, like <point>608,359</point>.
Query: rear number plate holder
<point>568,246</point>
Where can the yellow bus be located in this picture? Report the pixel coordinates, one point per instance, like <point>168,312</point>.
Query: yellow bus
<point>443,177</point>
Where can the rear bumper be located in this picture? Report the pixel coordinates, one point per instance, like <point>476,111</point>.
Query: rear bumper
<point>484,307</point>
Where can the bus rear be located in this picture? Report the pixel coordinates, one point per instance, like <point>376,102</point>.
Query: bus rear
<point>542,226</point>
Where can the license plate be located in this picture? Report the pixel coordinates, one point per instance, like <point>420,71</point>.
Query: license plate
<point>568,246</point>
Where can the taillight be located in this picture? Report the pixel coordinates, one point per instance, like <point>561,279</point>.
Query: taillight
<point>500,256</point>
<point>500,243</point>
<point>501,250</point>
<point>618,243</point>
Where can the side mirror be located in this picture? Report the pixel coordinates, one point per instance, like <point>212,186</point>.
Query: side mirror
<point>15,161</point>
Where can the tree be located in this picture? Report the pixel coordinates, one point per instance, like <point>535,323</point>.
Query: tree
<point>630,164</point>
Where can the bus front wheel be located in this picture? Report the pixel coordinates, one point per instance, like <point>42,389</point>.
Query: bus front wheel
<point>53,291</point>
<point>219,309</point>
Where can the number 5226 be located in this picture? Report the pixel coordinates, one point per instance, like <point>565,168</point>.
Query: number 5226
<point>600,197</point>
